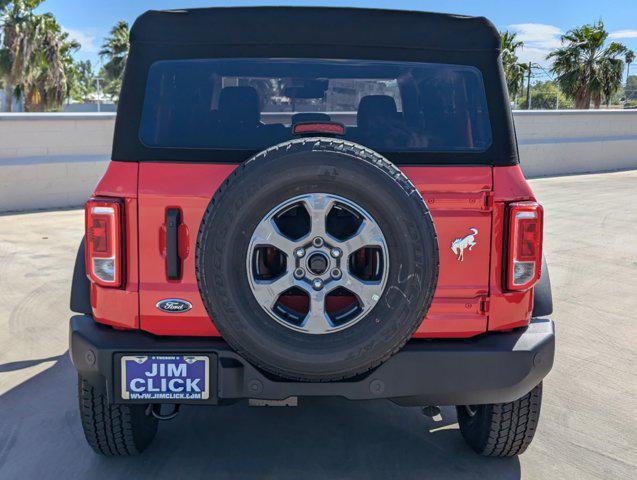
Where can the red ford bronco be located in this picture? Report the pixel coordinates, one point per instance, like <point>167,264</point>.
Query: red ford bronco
<point>312,202</point>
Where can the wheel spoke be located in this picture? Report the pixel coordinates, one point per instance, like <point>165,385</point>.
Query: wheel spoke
<point>267,233</point>
<point>267,292</point>
<point>316,320</point>
<point>367,235</point>
<point>318,206</point>
<point>367,292</point>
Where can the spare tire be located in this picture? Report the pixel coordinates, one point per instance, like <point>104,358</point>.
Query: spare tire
<point>317,259</point>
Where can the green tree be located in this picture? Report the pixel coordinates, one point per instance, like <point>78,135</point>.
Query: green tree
<point>514,71</point>
<point>115,52</point>
<point>35,56</point>
<point>587,69</point>
<point>82,81</point>
<point>17,45</point>
<point>46,84</point>
<point>630,92</point>
<point>630,58</point>
<point>548,96</point>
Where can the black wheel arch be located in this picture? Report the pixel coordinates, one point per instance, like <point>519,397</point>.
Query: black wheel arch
<point>542,294</point>
<point>81,286</point>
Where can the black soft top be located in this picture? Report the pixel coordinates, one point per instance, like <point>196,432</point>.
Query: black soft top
<point>313,32</point>
<point>315,26</point>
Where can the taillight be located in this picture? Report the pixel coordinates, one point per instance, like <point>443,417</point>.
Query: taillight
<point>525,245</point>
<point>104,241</point>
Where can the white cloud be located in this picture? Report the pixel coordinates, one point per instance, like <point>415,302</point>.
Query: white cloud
<point>624,34</point>
<point>85,38</point>
<point>538,33</point>
<point>539,40</point>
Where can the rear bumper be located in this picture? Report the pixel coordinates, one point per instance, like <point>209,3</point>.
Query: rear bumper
<point>492,368</point>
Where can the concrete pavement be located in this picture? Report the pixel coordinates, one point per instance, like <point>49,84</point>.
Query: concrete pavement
<point>588,427</point>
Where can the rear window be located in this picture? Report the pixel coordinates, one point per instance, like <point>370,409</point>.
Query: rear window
<point>251,104</point>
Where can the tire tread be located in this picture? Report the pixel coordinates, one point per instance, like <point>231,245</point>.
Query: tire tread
<point>503,429</point>
<point>110,429</point>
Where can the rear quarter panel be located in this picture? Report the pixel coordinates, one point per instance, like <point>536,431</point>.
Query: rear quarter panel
<point>119,307</point>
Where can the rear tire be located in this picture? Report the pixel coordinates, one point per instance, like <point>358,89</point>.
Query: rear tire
<point>501,429</point>
<point>113,430</point>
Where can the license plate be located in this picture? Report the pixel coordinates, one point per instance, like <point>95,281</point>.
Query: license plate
<point>165,377</point>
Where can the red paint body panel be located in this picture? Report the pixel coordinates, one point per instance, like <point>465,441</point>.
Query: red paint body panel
<point>458,200</point>
<point>507,310</point>
<point>190,188</point>
<point>120,306</point>
<point>469,299</point>
<point>510,185</point>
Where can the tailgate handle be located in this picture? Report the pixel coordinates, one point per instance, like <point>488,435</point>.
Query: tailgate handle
<point>173,262</point>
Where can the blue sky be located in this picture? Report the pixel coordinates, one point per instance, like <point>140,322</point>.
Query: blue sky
<point>538,22</point>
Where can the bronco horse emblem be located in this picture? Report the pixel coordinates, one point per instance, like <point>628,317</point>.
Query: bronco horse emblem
<point>459,244</point>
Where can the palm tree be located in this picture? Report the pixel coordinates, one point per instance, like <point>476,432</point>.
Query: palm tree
<point>18,45</point>
<point>115,51</point>
<point>513,70</point>
<point>36,57</point>
<point>586,69</point>
<point>630,58</point>
<point>46,84</point>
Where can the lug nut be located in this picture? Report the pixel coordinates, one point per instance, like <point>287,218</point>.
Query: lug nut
<point>335,274</point>
<point>318,242</point>
<point>300,252</point>
<point>336,252</point>
<point>317,284</point>
<point>299,273</point>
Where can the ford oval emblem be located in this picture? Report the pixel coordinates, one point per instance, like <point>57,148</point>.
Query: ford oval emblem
<point>174,305</point>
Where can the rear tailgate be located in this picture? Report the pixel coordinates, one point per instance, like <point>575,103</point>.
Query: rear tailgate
<point>459,199</point>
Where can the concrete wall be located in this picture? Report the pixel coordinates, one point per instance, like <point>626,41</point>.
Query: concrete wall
<point>54,160</point>
<point>565,142</point>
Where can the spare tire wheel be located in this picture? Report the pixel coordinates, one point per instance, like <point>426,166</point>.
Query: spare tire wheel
<point>317,259</point>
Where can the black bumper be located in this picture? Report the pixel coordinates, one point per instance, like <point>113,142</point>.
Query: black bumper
<point>492,368</point>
